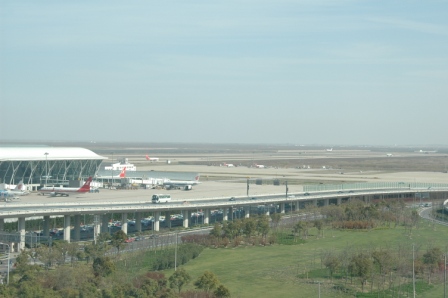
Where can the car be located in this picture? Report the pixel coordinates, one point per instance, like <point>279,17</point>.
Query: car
<point>232,199</point>
<point>253,198</point>
<point>291,196</point>
<point>306,194</point>
<point>340,191</point>
<point>139,238</point>
<point>153,236</point>
<point>129,240</point>
<point>351,191</point>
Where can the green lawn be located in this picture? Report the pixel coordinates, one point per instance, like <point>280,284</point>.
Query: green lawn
<point>273,270</point>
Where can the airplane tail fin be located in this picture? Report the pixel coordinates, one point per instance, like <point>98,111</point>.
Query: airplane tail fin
<point>147,157</point>
<point>86,186</point>
<point>20,186</point>
<point>123,173</point>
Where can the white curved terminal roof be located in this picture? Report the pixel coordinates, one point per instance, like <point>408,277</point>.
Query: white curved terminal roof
<point>54,153</point>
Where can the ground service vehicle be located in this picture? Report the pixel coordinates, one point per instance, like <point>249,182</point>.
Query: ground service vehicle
<point>163,198</point>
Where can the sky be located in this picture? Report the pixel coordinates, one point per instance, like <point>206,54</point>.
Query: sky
<point>281,72</point>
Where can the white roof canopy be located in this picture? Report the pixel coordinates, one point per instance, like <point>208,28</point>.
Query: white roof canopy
<point>46,153</point>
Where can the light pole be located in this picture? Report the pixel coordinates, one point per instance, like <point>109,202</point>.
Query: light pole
<point>112,170</point>
<point>9,250</point>
<point>175,253</point>
<point>46,167</point>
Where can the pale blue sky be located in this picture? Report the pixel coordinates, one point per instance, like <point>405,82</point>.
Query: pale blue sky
<point>297,72</point>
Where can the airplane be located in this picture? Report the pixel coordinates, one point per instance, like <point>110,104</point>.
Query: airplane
<point>151,158</point>
<point>329,150</point>
<point>19,190</point>
<point>259,166</point>
<point>64,191</point>
<point>426,152</point>
<point>7,196</point>
<point>185,184</point>
<point>229,165</point>
<point>389,154</point>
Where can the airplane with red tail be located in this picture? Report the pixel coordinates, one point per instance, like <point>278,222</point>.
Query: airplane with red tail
<point>65,191</point>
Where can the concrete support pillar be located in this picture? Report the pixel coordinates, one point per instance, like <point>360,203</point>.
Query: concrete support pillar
<point>138,221</point>
<point>206,217</point>
<point>96,226</point>
<point>315,202</point>
<point>168,219</point>
<point>124,223</point>
<point>247,211</point>
<point>297,206</point>
<point>77,231</point>
<point>67,228</point>
<point>326,202</point>
<point>156,221</point>
<point>22,232</point>
<point>104,223</point>
<point>189,217</point>
<point>282,207</point>
<point>231,213</point>
<point>2,224</point>
<point>267,211</point>
<point>185,214</point>
<point>46,226</point>
<point>339,201</point>
<point>225,215</point>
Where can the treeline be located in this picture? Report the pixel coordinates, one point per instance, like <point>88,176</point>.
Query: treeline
<point>384,269</point>
<point>63,270</point>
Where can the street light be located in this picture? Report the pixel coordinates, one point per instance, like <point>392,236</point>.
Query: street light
<point>9,250</point>
<point>112,170</point>
<point>46,167</point>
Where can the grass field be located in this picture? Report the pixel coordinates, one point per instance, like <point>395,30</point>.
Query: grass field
<point>274,270</point>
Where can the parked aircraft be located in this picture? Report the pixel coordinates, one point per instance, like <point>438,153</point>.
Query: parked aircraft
<point>259,166</point>
<point>19,190</point>
<point>7,196</point>
<point>330,149</point>
<point>152,158</point>
<point>229,165</point>
<point>185,184</point>
<point>65,191</point>
<point>389,154</point>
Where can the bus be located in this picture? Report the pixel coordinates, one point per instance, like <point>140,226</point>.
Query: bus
<point>161,198</point>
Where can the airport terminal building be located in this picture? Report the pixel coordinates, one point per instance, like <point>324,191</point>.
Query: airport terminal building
<point>47,165</point>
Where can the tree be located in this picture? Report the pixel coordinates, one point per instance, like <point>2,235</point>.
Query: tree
<point>103,266</point>
<point>431,259</point>
<point>361,266</point>
<point>216,231</point>
<point>118,239</point>
<point>179,279</point>
<point>332,262</point>
<point>207,281</point>
<point>222,292</point>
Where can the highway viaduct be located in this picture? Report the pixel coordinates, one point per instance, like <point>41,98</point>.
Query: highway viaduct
<point>102,209</point>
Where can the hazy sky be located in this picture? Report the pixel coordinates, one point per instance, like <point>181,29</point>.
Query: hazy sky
<point>297,72</point>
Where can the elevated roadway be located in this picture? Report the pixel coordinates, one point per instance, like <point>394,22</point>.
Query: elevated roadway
<point>137,202</point>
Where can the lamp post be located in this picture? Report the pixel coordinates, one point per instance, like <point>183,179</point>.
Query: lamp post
<point>9,250</point>
<point>112,170</point>
<point>46,167</point>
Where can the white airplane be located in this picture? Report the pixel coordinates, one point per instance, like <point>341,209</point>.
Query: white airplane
<point>389,154</point>
<point>229,165</point>
<point>424,151</point>
<point>19,190</point>
<point>151,158</point>
<point>185,184</point>
<point>259,166</point>
<point>65,191</point>
<point>330,149</point>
